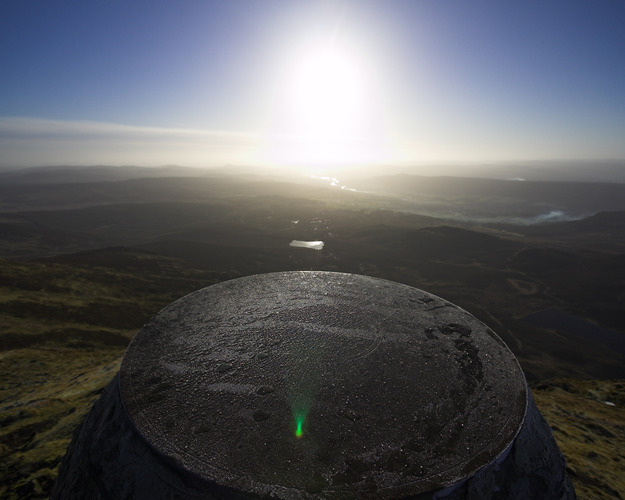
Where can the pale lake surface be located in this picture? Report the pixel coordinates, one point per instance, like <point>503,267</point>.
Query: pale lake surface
<point>313,245</point>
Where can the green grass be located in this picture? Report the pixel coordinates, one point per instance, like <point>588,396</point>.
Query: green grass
<point>64,329</point>
<point>45,394</point>
<point>590,433</point>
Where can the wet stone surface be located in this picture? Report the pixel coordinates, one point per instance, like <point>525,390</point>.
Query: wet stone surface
<point>300,383</point>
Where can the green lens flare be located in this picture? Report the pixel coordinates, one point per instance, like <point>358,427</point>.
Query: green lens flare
<point>298,431</point>
<point>300,418</point>
<point>302,380</point>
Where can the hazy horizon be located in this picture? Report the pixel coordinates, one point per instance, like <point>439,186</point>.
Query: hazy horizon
<point>600,171</point>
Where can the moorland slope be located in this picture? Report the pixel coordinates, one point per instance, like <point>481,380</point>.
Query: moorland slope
<point>86,263</point>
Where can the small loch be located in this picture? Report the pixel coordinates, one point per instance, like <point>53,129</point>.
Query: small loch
<point>313,245</point>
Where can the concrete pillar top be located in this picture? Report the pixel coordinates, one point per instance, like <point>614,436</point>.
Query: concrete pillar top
<point>316,383</point>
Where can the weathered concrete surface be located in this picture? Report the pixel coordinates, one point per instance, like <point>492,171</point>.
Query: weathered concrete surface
<point>398,392</point>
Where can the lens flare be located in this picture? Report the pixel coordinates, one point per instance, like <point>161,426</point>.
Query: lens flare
<point>298,430</point>
<point>299,417</point>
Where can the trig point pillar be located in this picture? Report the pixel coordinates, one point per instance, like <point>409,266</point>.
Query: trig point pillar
<point>303,385</point>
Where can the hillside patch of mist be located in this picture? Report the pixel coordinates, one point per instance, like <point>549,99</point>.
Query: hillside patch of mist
<point>543,218</point>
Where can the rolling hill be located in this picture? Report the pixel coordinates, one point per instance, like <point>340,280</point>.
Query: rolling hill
<point>85,263</point>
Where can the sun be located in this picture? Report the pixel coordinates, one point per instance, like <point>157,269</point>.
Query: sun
<point>325,94</point>
<point>326,108</point>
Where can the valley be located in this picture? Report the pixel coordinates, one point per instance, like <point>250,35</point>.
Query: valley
<point>84,264</point>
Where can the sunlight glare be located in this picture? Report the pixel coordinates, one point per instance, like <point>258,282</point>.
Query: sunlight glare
<point>326,93</point>
<point>326,111</point>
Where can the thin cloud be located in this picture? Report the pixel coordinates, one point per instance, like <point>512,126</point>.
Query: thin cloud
<point>18,126</point>
<point>34,141</point>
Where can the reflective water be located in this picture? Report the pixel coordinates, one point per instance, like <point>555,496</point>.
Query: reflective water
<point>313,245</point>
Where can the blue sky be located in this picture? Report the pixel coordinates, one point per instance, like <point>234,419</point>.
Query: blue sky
<point>209,83</point>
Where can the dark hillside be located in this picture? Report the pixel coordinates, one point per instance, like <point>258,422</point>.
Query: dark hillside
<point>604,231</point>
<point>96,260</point>
<point>445,242</point>
<point>584,283</point>
<point>518,198</point>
